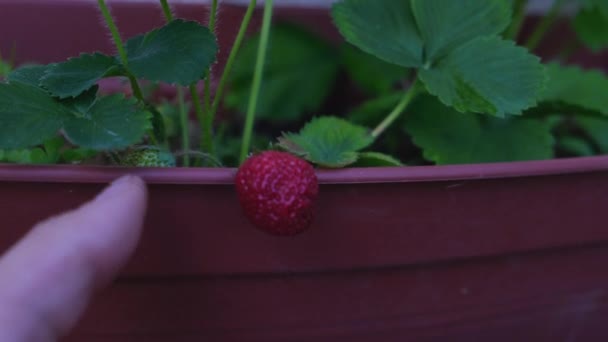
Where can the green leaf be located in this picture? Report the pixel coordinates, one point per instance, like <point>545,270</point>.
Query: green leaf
<point>52,149</point>
<point>449,137</point>
<point>574,146</point>
<point>28,115</point>
<point>372,112</point>
<point>591,26</point>
<point>299,75</point>
<point>570,85</point>
<point>73,77</point>
<point>328,141</point>
<point>158,124</point>
<point>601,5</point>
<point>375,159</point>
<point>81,104</point>
<point>384,28</point>
<point>446,25</point>
<point>5,68</point>
<point>487,75</point>
<point>170,113</point>
<point>454,44</point>
<point>372,75</point>
<point>37,155</point>
<point>112,122</point>
<point>228,145</point>
<point>78,155</point>
<point>178,53</point>
<point>595,128</point>
<point>28,74</point>
<point>26,156</point>
<point>412,33</point>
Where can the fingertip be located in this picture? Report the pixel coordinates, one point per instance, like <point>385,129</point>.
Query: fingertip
<point>68,257</point>
<point>128,184</point>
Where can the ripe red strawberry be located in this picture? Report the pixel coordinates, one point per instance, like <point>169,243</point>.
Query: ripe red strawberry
<point>277,192</point>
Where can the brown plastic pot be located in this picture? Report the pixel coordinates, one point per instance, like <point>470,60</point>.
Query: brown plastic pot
<point>497,252</point>
<point>494,252</point>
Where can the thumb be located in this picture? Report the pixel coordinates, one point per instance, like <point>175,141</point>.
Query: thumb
<point>47,279</point>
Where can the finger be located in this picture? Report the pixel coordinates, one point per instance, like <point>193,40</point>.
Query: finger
<point>47,279</point>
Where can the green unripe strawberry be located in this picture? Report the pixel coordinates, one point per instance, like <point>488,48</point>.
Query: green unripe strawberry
<point>148,158</point>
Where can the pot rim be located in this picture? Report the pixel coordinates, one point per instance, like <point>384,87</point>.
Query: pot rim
<point>371,175</point>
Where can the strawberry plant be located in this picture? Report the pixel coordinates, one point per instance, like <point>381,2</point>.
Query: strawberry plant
<point>412,82</point>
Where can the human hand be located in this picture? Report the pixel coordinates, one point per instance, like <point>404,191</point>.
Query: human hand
<point>48,278</point>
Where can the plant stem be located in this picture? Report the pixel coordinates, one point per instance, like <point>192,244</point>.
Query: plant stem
<point>543,27</point>
<point>409,96</point>
<point>166,10</point>
<point>183,116</point>
<point>196,102</point>
<point>231,58</point>
<point>180,94</point>
<point>257,80</point>
<point>105,11</point>
<point>519,15</point>
<point>136,89</point>
<point>107,16</point>
<point>213,15</point>
<point>109,20</point>
<point>207,121</point>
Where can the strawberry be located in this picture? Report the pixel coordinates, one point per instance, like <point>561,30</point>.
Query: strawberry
<point>277,192</point>
<point>147,157</point>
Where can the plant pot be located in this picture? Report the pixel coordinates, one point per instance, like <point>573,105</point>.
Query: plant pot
<point>480,252</point>
<point>496,252</point>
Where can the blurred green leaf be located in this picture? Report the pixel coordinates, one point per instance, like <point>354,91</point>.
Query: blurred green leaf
<point>574,146</point>
<point>371,74</point>
<point>372,112</point>
<point>591,26</point>
<point>596,128</point>
<point>78,155</point>
<point>449,137</point>
<point>375,159</point>
<point>577,88</point>
<point>300,72</point>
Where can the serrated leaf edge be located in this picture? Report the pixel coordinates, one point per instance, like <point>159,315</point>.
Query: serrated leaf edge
<point>50,67</point>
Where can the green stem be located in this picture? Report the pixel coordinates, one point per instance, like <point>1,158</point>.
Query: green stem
<point>409,96</point>
<point>183,117</point>
<point>207,119</point>
<point>543,27</point>
<point>213,15</point>
<point>257,80</point>
<point>105,12</point>
<point>136,89</point>
<point>519,15</point>
<point>231,58</point>
<point>166,10</point>
<point>111,24</point>
<point>207,123</point>
<point>196,102</point>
